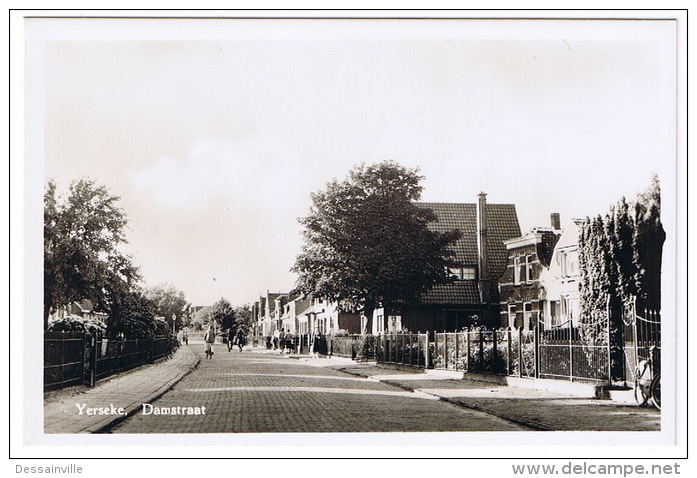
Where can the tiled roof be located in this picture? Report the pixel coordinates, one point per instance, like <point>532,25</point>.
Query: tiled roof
<point>502,223</point>
<point>460,292</point>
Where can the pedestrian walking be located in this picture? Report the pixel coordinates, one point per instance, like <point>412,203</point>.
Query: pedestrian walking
<point>315,341</point>
<point>209,339</point>
<point>282,340</point>
<point>185,337</point>
<point>288,341</point>
<point>239,339</point>
<point>230,339</point>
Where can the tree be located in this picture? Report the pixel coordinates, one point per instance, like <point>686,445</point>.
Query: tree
<point>620,261</point>
<point>223,314</point>
<point>367,244</point>
<point>132,315</point>
<point>243,318</point>
<point>169,302</point>
<point>82,235</point>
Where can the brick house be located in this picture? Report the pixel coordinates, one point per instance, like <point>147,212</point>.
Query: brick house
<point>472,298</point>
<point>265,317</point>
<point>561,279</point>
<point>521,292</point>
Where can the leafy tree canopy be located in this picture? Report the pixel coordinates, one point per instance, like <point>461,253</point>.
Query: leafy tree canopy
<point>132,315</point>
<point>82,235</point>
<point>168,301</point>
<point>243,318</point>
<point>620,256</point>
<point>223,314</point>
<point>366,243</point>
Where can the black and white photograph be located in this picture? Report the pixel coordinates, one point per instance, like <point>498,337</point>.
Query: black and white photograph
<point>430,235</point>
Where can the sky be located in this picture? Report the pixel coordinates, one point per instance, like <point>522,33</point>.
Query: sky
<point>215,133</point>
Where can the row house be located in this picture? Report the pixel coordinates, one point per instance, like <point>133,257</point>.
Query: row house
<point>540,284</point>
<point>80,308</point>
<point>472,296</point>
<point>561,279</point>
<point>266,316</point>
<point>520,288</point>
<point>301,314</point>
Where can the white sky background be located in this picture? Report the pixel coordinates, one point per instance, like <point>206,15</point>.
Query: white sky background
<point>214,133</point>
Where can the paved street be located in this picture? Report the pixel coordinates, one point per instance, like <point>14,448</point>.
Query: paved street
<point>263,392</point>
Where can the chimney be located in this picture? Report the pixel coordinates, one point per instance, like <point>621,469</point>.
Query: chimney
<point>556,222</point>
<point>482,229</point>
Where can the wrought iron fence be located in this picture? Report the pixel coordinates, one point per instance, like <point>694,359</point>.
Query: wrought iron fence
<point>64,359</point>
<point>403,349</point>
<point>563,353</point>
<point>476,350</point>
<point>568,352</point>
<point>552,353</point>
<point>77,358</point>
<point>641,334</point>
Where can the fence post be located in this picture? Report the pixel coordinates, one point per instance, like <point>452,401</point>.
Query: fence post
<point>571,350</point>
<point>509,353</point>
<point>495,353</point>
<point>457,349</point>
<point>520,352</point>
<point>537,350</point>
<point>401,344</point>
<point>481,349</point>
<point>469,345</point>
<point>609,349</point>
<point>62,342</point>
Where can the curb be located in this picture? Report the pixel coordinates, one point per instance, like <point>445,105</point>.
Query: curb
<point>518,421</point>
<point>107,424</point>
<point>576,389</point>
<point>532,425</point>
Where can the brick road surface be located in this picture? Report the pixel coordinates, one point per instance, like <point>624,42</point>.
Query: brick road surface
<point>259,391</point>
<point>537,409</point>
<point>263,392</point>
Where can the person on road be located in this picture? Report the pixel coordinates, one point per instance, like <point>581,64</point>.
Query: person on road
<point>315,344</point>
<point>230,339</point>
<point>288,342</point>
<point>209,339</point>
<point>185,337</point>
<point>276,335</point>
<point>239,339</point>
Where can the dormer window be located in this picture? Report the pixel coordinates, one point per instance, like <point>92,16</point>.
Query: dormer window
<point>463,273</point>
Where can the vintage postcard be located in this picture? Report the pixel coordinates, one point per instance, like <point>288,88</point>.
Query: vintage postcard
<point>384,236</point>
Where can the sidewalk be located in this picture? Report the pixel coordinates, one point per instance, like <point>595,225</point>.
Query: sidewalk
<point>534,408</point>
<point>116,398</point>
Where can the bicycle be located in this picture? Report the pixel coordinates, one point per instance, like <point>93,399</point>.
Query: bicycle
<point>647,385</point>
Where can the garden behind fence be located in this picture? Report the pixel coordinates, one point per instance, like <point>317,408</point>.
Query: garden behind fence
<point>560,352</point>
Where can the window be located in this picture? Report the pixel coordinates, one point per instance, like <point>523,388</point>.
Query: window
<point>511,315</point>
<point>463,273</point>
<point>516,270</point>
<point>469,273</point>
<point>568,263</point>
<point>527,316</point>
<point>528,269</point>
<point>380,324</point>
